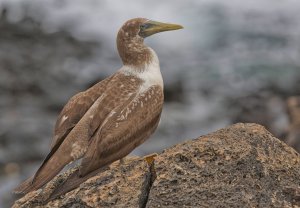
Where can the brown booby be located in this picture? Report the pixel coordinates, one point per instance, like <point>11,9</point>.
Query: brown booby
<point>107,121</point>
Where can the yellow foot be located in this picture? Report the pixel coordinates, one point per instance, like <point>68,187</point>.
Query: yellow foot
<point>150,158</point>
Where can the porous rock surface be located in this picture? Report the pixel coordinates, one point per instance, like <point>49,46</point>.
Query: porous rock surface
<point>239,166</point>
<point>120,186</point>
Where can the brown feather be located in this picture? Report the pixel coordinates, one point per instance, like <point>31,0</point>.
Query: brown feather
<point>130,46</point>
<point>125,131</point>
<point>74,145</point>
<point>75,109</point>
<point>133,135</point>
<point>72,182</point>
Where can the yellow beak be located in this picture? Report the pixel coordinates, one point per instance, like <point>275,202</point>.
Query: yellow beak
<point>151,27</point>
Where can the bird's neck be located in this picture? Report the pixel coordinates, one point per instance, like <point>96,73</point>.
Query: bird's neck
<point>149,74</point>
<point>133,52</point>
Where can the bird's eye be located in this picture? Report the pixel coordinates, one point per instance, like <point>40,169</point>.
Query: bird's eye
<point>143,27</point>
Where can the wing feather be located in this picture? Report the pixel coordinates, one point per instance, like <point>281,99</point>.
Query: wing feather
<point>75,109</point>
<point>71,114</point>
<point>129,127</point>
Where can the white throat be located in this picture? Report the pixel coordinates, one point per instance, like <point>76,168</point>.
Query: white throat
<point>151,74</point>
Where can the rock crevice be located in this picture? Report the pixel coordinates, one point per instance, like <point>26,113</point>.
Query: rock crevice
<point>145,191</point>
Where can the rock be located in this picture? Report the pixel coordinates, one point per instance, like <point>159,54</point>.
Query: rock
<point>239,166</point>
<point>121,185</point>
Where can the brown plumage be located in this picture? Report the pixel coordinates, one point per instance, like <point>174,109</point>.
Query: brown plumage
<point>107,121</point>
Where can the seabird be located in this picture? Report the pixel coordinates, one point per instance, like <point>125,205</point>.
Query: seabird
<point>107,121</point>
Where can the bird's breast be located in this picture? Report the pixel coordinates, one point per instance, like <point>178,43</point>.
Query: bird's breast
<point>149,76</point>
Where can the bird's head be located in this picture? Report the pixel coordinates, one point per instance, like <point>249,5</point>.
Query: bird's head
<point>131,37</point>
<point>144,27</point>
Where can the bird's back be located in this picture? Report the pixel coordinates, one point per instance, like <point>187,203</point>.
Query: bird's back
<point>120,96</point>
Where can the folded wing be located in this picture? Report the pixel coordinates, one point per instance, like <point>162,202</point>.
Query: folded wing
<point>69,117</point>
<point>129,127</point>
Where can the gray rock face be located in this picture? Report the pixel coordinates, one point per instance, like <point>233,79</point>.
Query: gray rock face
<point>239,166</point>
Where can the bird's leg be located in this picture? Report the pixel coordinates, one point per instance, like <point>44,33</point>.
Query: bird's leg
<point>122,169</point>
<point>122,161</point>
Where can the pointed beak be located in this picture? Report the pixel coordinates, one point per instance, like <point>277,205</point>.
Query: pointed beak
<point>151,27</point>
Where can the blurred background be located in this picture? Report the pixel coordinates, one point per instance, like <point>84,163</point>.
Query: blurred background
<point>235,61</point>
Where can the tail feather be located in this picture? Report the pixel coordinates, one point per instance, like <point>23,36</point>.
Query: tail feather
<point>24,186</point>
<point>72,182</point>
<point>47,172</point>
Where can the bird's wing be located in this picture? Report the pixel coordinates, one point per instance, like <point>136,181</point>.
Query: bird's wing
<point>127,128</point>
<point>72,113</point>
<point>70,116</point>
<point>75,109</point>
<point>74,144</point>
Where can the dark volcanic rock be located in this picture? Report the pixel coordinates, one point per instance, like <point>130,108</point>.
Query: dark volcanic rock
<point>239,166</point>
